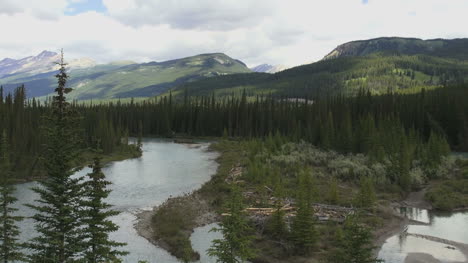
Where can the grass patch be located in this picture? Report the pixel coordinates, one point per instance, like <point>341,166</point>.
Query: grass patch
<point>449,195</point>
<point>175,219</point>
<point>173,223</point>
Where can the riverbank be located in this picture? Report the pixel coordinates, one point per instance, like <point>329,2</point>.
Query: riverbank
<point>449,195</point>
<point>86,158</point>
<point>401,223</point>
<point>171,224</point>
<point>165,226</point>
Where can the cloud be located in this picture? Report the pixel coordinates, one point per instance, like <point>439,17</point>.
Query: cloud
<point>43,9</point>
<point>191,14</point>
<point>254,31</point>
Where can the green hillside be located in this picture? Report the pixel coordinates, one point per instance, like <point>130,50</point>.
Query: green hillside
<point>43,84</point>
<point>377,72</point>
<point>134,80</point>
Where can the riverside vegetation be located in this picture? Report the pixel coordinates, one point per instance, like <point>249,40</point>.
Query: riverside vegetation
<point>278,173</point>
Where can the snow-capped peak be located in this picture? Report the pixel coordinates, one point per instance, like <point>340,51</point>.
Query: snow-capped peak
<point>267,68</point>
<point>43,62</point>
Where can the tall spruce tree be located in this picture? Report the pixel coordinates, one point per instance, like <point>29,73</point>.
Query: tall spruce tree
<point>58,217</point>
<point>9,231</point>
<point>276,224</point>
<point>354,244</point>
<point>404,166</point>
<point>236,245</point>
<point>333,192</point>
<point>303,232</point>
<point>96,219</point>
<point>366,197</point>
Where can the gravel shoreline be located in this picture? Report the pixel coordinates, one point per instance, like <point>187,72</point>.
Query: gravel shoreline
<point>144,227</point>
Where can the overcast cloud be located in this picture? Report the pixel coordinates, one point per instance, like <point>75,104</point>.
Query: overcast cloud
<point>255,31</point>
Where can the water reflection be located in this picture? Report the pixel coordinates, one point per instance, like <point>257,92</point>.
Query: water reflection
<point>398,247</point>
<point>416,214</point>
<point>450,226</point>
<point>201,241</point>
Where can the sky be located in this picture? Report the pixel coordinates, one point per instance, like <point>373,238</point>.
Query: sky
<point>287,32</point>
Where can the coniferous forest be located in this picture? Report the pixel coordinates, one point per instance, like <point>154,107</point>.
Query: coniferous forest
<point>360,124</point>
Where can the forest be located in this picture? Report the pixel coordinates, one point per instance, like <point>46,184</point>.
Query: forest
<point>362,123</point>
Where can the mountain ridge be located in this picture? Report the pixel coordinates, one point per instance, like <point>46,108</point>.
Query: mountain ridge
<point>448,48</point>
<point>377,65</point>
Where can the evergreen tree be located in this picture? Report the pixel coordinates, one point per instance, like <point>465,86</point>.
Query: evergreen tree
<point>96,219</point>
<point>354,244</point>
<point>10,247</point>
<point>333,193</point>
<point>303,232</point>
<point>436,148</point>
<point>140,137</point>
<point>236,243</point>
<point>58,218</point>
<point>404,166</point>
<point>366,196</point>
<point>276,225</point>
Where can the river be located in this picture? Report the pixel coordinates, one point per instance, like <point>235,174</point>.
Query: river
<point>165,169</point>
<point>413,242</point>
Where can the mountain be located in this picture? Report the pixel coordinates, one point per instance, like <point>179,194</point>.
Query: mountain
<point>267,68</point>
<point>377,65</point>
<point>42,63</point>
<point>127,79</point>
<point>454,48</point>
<point>153,78</point>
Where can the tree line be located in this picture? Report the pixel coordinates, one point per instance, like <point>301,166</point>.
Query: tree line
<point>347,124</point>
<point>24,124</point>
